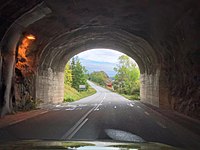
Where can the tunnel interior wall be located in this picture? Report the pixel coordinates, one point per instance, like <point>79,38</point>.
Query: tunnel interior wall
<point>149,88</point>
<point>50,86</point>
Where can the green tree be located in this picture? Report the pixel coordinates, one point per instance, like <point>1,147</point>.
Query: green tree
<point>99,77</point>
<point>79,76</point>
<point>127,76</point>
<point>68,75</point>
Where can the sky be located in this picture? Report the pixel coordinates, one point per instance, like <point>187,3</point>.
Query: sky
<point>100,60</point>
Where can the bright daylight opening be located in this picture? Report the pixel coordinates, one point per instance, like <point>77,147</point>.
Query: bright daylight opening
<point>110,69</point>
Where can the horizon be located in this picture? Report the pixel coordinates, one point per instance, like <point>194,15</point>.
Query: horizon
<point>100,60</point>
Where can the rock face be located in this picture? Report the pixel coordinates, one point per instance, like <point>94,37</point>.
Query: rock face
<point>162,37</point>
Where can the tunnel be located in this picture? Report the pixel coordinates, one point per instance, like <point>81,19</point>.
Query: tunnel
<point>161,36</point>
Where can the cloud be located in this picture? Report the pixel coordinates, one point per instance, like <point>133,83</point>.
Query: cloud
<point>101,55</point>
<point>100,60</point>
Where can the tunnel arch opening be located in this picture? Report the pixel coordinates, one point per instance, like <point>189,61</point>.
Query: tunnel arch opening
<point>54,56</point>
<point>109,68</point>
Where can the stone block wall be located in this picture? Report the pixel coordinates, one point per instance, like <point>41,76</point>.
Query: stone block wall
<point>149,88</point>
<point>50,86</point>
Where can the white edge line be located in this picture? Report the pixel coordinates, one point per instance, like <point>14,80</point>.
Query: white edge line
<point>15,122</point>
<point>77,129</point>
<point>70,131</point>
<point>146,113</point>
<point>18,121</point>
<point>160,124</point>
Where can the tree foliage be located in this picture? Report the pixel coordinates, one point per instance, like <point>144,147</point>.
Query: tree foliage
<point>127,76</point>
<point>68,74</point>
<point>99,77</point>
<point>75,74</point>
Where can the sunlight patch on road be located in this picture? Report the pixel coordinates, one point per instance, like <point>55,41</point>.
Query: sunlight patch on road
<point>138,107</point>
<point>60,106</point>
<point>146,113</point>
<point>15,122</point>
<point>70,108</point>
<point>82,105</point>
<point>104,96</point>
<point>161,125</point>
<point>130,104</point>
<point>72,105</point>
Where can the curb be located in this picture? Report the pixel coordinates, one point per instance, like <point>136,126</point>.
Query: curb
<point>169,120</point>
<point>22,117</point>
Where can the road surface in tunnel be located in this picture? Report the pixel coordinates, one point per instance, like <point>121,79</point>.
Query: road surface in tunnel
<point>89,118</point>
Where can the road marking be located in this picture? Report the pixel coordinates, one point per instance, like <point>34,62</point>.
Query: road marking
<point>71,105</point>
<point>15,122</point>
<point>82,105</point>
<point>59,106</point>
<point>104,96</point>
<point>71,132</point>
<point>138,107</point>
<point>97,107</point>
<point>77,129</point>
<point>67,135</point>
<point>69,108</point>
<point>160,124</point>
<point>131,105</point>
<point>56,109</point>
<point>146,113</point>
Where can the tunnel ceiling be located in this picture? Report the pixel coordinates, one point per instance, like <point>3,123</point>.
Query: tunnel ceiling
<point>143,29</point>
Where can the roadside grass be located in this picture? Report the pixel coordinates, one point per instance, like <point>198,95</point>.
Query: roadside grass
<point>71,94</point>
<point>132,97</point>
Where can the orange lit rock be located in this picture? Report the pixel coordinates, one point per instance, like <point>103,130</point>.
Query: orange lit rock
<point>23,62</point>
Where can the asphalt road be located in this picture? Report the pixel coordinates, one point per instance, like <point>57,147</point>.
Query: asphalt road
<point>91,118</point>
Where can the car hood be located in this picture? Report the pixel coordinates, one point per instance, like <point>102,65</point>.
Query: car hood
<point>83,145</point>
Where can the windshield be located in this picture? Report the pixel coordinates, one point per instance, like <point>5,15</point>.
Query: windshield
<point>108,71</point>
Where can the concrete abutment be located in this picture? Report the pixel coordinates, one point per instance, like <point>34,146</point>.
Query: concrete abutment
<point>50,86</point>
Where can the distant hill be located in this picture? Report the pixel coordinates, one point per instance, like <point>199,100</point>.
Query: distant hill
<point>100,77</point>
<point>92,66</point>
